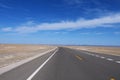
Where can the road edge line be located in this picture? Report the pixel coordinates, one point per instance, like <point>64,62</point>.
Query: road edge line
<point>17,64</point>
<point>40,67</point>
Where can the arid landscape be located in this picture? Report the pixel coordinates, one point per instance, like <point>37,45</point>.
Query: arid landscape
<point>59,39</point>
<point>62,59</point>
<point>11,53</point>
<point>99,49</point>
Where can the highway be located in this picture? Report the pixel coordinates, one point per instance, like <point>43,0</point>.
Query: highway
<point>68,64</point>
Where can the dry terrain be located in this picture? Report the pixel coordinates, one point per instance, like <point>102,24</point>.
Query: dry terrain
<point>99,49</point>
<point>11,53</point>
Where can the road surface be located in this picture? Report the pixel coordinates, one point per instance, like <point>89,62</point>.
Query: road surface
<point>68,64</point>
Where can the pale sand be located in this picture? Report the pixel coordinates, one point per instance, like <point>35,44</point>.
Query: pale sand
<point>11,53</point>
<point>99,49</point>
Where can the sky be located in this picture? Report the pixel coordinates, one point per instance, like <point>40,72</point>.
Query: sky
<point>67,22</point>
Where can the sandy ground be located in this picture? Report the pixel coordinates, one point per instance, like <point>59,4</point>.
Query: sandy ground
<point>11,53</point>
<point>99,49</point>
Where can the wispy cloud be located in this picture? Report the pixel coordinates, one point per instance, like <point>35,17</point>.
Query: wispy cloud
<point>88,33</point>
<point>99,33</point>
<point>106,21</point>
<point>85,33</point>
<point>5,6</point>
<point>8,29</point>
<point>59,32</point>
<point>117,32</point>
<point>97,11</point>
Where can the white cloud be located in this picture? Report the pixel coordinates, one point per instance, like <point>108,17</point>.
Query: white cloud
<point>29,23</point>
<point>106,21</point>
<point>96,33</point>
<point>85,33</point>
<point>117,32</point>
<point>7,29</point>
<point>59,32</point>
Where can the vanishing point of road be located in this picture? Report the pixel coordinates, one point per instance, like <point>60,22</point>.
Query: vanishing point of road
<point>67,64</point>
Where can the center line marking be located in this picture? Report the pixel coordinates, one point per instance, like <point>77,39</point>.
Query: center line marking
<point>117,62</point>
<point>40,67</point>
<point>109,59</point>
<point>102,57</point>
<point>78,57</point>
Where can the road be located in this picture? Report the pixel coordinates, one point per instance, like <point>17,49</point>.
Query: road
<point>68,64</point>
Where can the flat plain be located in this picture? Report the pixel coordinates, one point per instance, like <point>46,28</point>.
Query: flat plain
<point>99,49</point>
<point>11,53</point>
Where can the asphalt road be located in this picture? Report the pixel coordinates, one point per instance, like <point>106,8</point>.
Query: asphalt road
<point>68,64</point>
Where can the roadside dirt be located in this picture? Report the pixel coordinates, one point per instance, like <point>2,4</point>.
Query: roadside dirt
<point>11,53</point>
<point>99,49</point>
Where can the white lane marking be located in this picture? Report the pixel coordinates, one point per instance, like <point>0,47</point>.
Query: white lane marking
<point>102,57</point>
<point>16,64</point>
<point>97,55</point>
<point>40,67</point>
<point>117,62</point>
<point>109,59</point>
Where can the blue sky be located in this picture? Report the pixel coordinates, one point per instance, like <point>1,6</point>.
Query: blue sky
<point>74,22</point>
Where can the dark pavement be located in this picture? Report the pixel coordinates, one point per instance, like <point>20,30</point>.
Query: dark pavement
<point>67,64</point>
